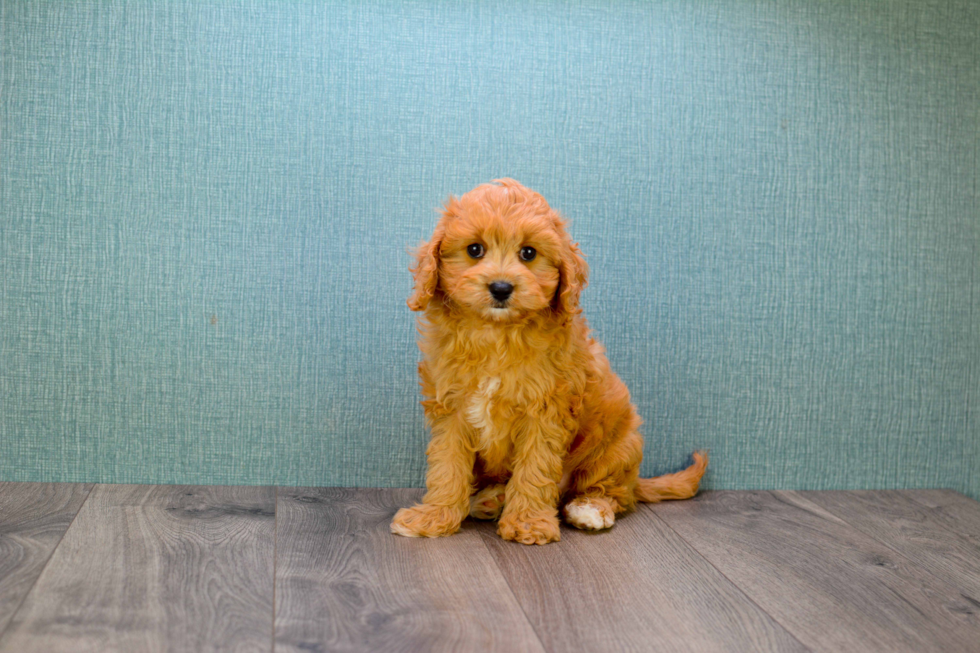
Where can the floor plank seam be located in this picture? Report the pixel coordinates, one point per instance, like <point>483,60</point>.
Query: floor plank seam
<point>510,590</point>
<point>729,580</point>
<point>13,615</point>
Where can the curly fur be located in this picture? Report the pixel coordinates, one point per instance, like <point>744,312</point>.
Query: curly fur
<point>525,412</point>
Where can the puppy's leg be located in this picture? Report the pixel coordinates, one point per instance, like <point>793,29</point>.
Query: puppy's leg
<point>530,513</point>
<point>488,502</point>
<point>449,482</point>
<point>603,489</point>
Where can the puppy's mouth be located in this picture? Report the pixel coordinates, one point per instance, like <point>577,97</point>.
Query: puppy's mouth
<point>499,310</point>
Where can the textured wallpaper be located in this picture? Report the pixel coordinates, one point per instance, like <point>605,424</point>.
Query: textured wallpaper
<point>205,209</point>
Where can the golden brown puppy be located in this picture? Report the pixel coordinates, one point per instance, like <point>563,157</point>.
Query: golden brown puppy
<point>524,409</point>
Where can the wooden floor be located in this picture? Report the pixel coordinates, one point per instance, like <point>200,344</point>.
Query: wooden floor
<point>185,568</point>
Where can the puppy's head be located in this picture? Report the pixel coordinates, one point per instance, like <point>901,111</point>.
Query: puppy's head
<point>500,253</point>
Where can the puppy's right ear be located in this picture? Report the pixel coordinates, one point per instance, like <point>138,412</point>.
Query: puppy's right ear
<point>426,268</point>
<point>426,271</point>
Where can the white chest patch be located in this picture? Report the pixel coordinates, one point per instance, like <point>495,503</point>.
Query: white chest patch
<point>478,409</point>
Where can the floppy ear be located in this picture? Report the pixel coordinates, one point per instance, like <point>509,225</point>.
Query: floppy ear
<point>426,268</point>
<point>426,271</point>
<point>573,276</point>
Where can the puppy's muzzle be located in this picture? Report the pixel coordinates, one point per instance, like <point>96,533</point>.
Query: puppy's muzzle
<point>501,290</point>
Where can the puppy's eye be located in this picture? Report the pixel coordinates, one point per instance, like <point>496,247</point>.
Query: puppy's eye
<point>528,253</point>
<point>475,250</point>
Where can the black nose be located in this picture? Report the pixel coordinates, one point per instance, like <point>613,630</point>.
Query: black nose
<point>501,290</point>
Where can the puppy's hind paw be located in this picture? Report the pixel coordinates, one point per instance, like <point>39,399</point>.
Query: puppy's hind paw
<point>488,503</point>
<point>589,514</point>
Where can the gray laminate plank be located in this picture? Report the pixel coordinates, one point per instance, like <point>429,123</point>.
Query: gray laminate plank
<point>832,586</point>
<point>156,568</point>
<point>955,511</point>
<point>637,587</point>
<point>898,521</point>
<point>345,583</point>
<point>33,519</point>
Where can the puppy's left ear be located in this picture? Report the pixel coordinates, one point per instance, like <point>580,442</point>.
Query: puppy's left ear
<point>573,276</point>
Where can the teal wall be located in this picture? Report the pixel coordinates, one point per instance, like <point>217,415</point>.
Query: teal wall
<point>206,208</point>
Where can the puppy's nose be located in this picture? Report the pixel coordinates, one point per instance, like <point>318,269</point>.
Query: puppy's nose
<point>501,290</point>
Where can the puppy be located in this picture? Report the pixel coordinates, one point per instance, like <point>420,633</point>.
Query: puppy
<point>525,412</point>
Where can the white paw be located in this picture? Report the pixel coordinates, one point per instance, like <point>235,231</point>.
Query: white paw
<point>587,516</point>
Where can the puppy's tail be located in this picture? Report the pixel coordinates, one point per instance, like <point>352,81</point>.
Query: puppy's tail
<point>679,485</point>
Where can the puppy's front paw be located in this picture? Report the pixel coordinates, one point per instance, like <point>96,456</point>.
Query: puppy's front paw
<point>529,528</point>
<point>424,520</point>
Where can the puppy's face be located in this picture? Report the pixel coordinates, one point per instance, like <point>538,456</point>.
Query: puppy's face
<point>499,265</point>
<point>500,253</point>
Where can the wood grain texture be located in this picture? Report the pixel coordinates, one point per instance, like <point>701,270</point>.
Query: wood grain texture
<point>163,568</point>
<point>956,512</point>
<point>156,568</point>
<point>903,524</point>
<point>345,583</point>
<point>33,519</point>
<point>637,587</point>
<point>832,586</point>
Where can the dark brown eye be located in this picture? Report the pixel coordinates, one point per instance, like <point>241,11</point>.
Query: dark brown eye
<point>528,253</point>
<point>475,250</point>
